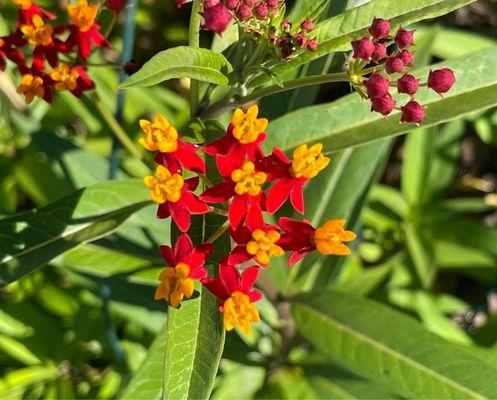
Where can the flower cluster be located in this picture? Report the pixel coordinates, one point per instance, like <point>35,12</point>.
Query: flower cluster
<point>390,58</point>
<point>253,184</point>
<point>52,49</point>
<point>257,18</point>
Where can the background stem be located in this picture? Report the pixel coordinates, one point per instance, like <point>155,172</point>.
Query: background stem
<point>194,41</point>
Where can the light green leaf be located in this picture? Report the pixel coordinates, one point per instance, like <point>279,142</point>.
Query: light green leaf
<point>418,153</point>
<point>30,240</point>
<point>18,351</point>
<point>348,121</point>
<point>390,348</point>
<point>366,281</point>
<point>421,251</point>
<point>14,383</point>
<point>147,382</point>
<point>182,62</point>
<point>306,8</point>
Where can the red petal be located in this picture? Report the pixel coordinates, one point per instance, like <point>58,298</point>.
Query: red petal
<point>239,255</point>
<point>296,256</point>
<point>297,197</point>
<point>163,211</point>
<point>224,166</point>
<point>168,161</point>
<point>188,157</point>
<point>278,194</point>
<point>230,277</point>
<point>217,288</point>
<point>249,276</point>
<point>199,254</point>
<point>254,218</point>
<point>191,184</point>
<point>254,296</point>
<point>193,204</point>
<point>180,215</point>
<point>182,248</point>
<point>237,210</point>
<point>241,235</point>
<point>279,156</point>
<point>218,193</point>
<point>167,254</point>
<point>220,146</point>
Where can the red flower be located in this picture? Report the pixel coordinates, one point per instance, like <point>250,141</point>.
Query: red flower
<point>300,237</point>
<point>34,84</point>
<point>74,79</point>
<point>236,294</point>
<point>407,84</point>
<point>380,28</point>
<point>8,51</point>
<point>174,196</point>
<point>383,105</point>
<point>412,112</point>
<point>404,38</point>
<point>47,46</point>
<point>185,264</point>
<point>28,9</point>
<point>441,80</point>
<point>292,175</point>
<point>242,182</point>
<point>173,153</point>
<point>377,86</point>
<point>259,243</point>
<point>84,30</point>
<point>363,48</point>
<point>243,138</point>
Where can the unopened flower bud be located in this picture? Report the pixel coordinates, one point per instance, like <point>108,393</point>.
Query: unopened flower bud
<point>261,11</point>
<point>273,38</point>
<point>441,80</point>
<point>249,3</point>
<point>412,112</point>
<point>383,105</point>
<point>286,25</point>
<point>244,13</point>
<point>300,40</point>
<point>407,84</point>
<point>363,48</point>
<point>272,3</point>
<point>404,38</point>
<point>312,44</point>
<point>216,18</point>
<point>407,57</point>
<point>377,86</point>
<point>231,4</point>
<point>307,25</point>
<point>210,3</point>
<point>379,53</point>
<point>380,28</point>
<point>394,65</point>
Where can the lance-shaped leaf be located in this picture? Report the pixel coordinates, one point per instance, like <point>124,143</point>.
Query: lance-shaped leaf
<point>182,62</point>
<point>348,121</point>
<point>32,239</point>
<point>147,382</point>
<point>334,34</point>
<point>391,348</point>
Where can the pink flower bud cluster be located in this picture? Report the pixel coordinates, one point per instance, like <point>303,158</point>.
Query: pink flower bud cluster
<point>372,48</point>
<point>288,41</point>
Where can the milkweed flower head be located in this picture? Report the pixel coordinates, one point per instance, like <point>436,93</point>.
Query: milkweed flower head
<point>250,185</point>
<point>376,63</point>
<point>38,42</point>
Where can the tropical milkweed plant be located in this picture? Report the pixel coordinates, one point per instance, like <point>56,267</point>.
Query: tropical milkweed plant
<point>256,197</point>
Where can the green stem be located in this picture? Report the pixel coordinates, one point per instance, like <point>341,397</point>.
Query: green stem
<point>226,104</point>
<point>119,132</point>
<point>223,228</point>
<point>194,41</point>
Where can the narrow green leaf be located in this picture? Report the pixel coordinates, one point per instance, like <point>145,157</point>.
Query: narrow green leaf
<point>422,254</point>
<point>182,62</point>
<point>32,239</point>
<point>366,281</point>
<point>418,154</point>
<point>348,121</point>
<point>303,9</point>
<point>391,348</point>
<point>334,34</point>
<point>147,382</point>
<point>18,351</point>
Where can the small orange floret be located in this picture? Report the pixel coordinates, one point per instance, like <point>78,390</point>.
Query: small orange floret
<point>238,311</point>
<point>38,33</point>
<point>65,77</point>
<point>262,246</point>
<point>175,284</point>
<point>248,180</point>
<point>83,15</point>
<point>308,162</point>
<point>164,185</point>
<point>246,126</point>
<point>159,135</point>
<point>330,237</point>
<point>31,87</point>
